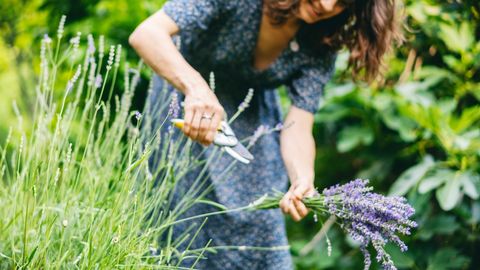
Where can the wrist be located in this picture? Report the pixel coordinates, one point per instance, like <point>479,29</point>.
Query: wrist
<point>304,179</point>
<point>192,84</point>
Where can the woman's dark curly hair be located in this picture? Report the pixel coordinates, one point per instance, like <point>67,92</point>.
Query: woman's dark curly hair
<point>368,28</point>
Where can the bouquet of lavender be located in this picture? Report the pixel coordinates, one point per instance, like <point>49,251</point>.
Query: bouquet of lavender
<point>367,217</point>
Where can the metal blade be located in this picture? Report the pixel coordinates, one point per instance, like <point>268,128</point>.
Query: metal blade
<point>236,155</point>
<point>242,151</point>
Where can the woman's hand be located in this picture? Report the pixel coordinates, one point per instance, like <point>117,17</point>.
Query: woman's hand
<point>152,41</point>
<point>292,204</point>
<point>203,114</point>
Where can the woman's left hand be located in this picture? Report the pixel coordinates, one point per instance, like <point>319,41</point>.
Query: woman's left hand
<point>292,204</point>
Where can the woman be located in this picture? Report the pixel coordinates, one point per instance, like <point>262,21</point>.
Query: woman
<point>261,45</point>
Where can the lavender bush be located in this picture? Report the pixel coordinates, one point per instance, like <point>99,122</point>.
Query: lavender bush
<point>369,218</point>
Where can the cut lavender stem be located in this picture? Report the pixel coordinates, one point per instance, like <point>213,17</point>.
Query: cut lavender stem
<point>369,218</point>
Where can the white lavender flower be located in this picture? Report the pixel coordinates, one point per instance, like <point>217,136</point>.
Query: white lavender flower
<point>61,27</point>
<point>212,81</point>
<point>75,41</point>
<point>101,46</point>
<point>74,79</point>
<point>118,55</point>
<point>111,56</point>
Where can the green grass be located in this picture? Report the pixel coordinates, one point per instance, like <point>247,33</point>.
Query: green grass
<point>76,187</point>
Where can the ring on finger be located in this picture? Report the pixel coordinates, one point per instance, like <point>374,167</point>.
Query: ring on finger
<point>209,117</point>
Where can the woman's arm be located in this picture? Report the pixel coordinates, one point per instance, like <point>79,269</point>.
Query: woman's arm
<point>298,152</point>
<point>152,41</point>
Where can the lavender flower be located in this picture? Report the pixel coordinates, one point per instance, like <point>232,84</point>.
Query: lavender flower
<point>61,27</point>
<point>75,41</point>
<point>212,81</point>
<point>98,81</point>
<point>138,115</point>
<point>118,56</point>
<point>369,218</point>
<point>91,44</point>
<point>174,109</point>
<point>259,132</point>
<point>47,39</point>
<point>246,102</point>
<point>111,56</point>
<point>74,79</point>
<point>101,46</point>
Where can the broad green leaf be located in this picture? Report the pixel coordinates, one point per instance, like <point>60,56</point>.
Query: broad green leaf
<point>438,225</point>
<point>404,126</point>
<point>352,137</point>
<point>412,176</point>
<point>434,180</point>
<point>448,258</point>
<point>466,120</point>
<point>458,39</point>
<point>468,180</point>
<point>415,92</point>
<point>454,63</point>
<point>449,195</point>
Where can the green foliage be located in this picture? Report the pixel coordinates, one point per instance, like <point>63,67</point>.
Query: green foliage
<point>418,133</point>
<point>415,134</point>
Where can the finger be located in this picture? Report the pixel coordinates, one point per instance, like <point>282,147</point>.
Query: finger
<point>284,203</point>
<point>300,191</point>
<point>204,128</point>
<point>197,117</point>
<point>212,130</point>
<point>293,212</point>
<point>301,208</point>
<point>187,126</point>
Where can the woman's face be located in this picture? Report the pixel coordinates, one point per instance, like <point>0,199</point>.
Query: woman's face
<point>312,11</point>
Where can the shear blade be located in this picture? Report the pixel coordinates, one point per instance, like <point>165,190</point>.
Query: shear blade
<point>236,155</point>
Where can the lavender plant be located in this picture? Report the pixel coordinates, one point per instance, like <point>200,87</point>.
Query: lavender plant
<point>368,217</point>
<point>76,187</point>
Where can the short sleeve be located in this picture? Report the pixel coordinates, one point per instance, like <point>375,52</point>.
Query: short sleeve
<point>306,88</point>
<point>193,16</point>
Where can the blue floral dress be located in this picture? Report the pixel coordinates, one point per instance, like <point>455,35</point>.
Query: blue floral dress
<point>220,36</point>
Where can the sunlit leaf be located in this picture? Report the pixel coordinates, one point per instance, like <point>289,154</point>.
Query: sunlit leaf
<point>468,180</point>
<point>412,176</point>
<point>434,180</point>
<point>447,258</point>
<point>449,195</point>
<point>352,137</point>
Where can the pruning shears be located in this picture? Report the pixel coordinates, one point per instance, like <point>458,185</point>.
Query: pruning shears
<point>226,139</point>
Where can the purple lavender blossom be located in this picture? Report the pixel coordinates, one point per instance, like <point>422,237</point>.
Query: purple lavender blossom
<point>98,81</point>
<point>91,44</point>
<point>174,109</point>
<point>259,132</point>
<point>246,102</point>
<point>370,218</point>
<point>138,115</point>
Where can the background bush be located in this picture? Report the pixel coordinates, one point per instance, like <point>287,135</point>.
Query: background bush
<point>416,133</point>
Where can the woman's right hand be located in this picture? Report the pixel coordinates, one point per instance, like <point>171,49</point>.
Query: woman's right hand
<point>203,114</point>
